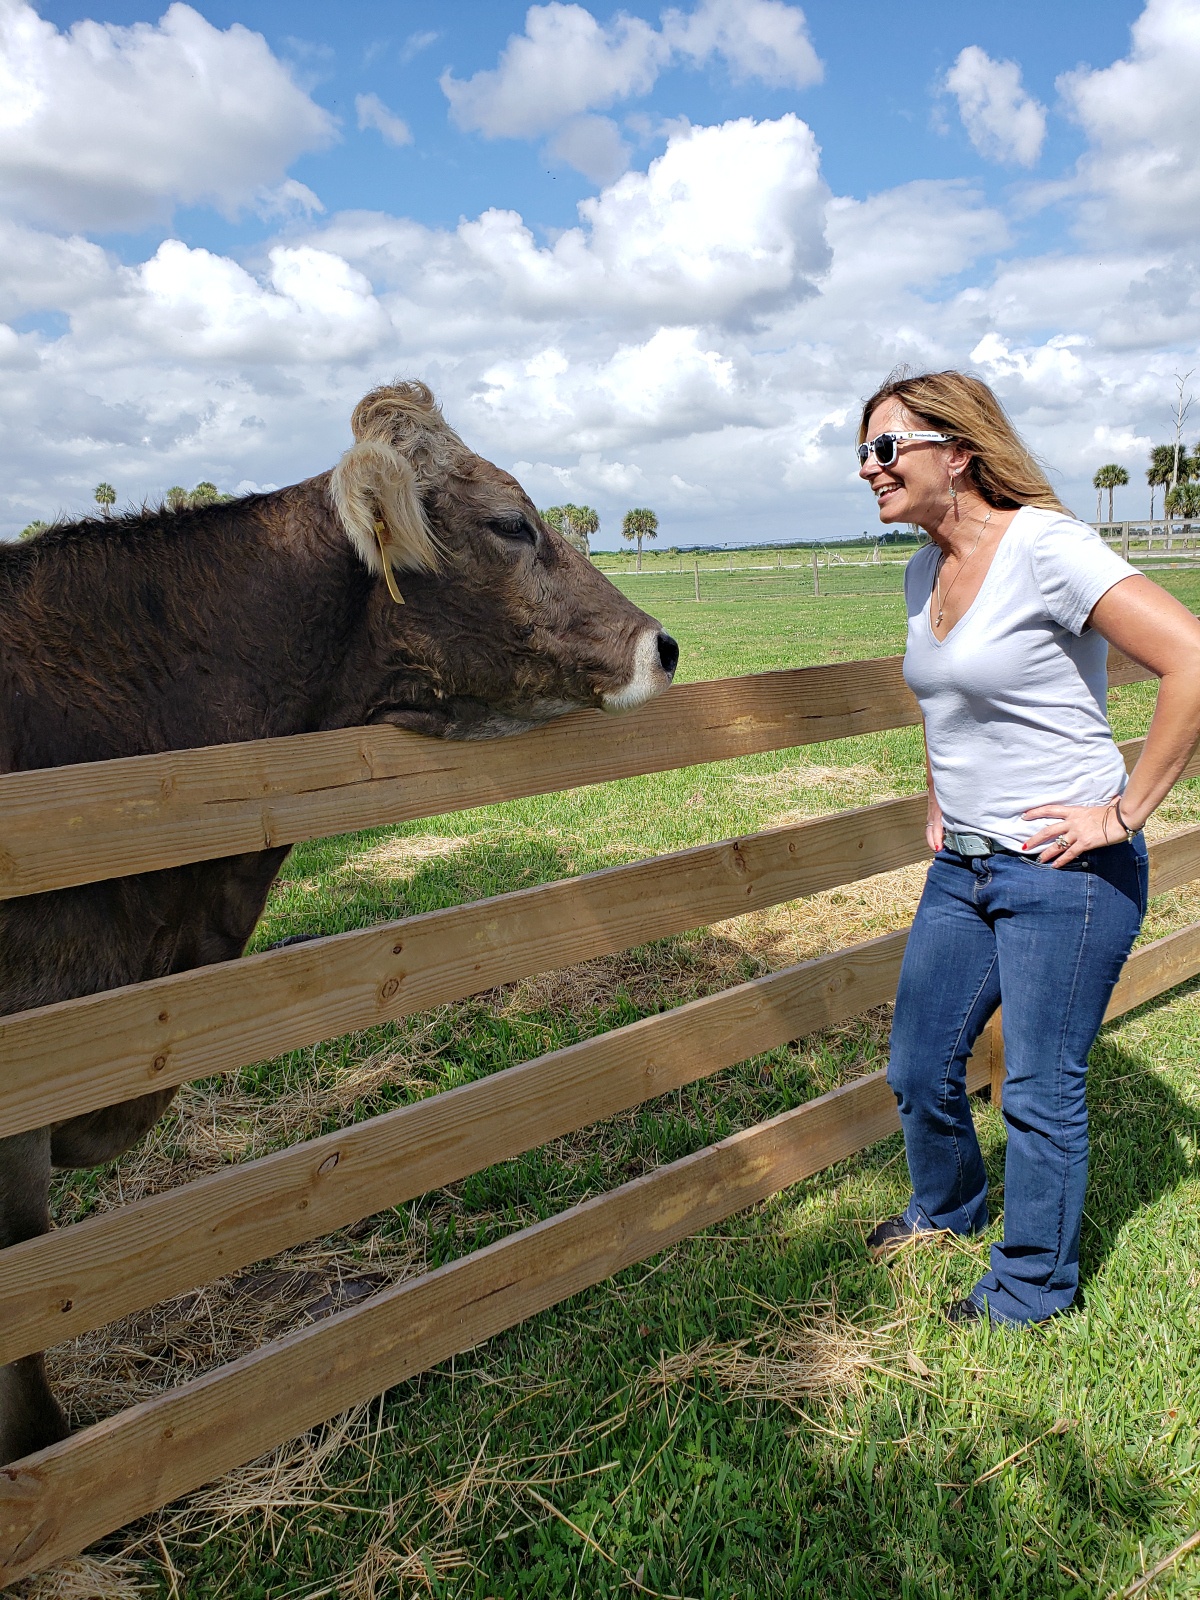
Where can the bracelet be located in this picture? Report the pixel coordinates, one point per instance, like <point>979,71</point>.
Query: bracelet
<point>1129,832</point>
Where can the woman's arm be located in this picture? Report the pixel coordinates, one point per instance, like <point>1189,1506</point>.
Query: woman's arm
<point>934,831</point>
<point>1153,628</point>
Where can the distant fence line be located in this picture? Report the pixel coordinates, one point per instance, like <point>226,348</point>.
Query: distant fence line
<point>77,824</point>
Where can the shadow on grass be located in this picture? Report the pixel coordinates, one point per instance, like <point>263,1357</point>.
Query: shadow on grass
<point>1140,1131</point>
<point>338,885</point>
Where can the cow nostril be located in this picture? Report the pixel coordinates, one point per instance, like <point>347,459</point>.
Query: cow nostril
<point>668,653</point>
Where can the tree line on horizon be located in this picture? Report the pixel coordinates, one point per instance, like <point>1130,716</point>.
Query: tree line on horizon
<point>177,498</point>
<point>1171,469</point>
<point>578,524</point>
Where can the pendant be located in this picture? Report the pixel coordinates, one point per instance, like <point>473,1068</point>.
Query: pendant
<point>938,622</point>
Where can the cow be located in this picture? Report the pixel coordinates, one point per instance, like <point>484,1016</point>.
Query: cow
<point>272,614</point>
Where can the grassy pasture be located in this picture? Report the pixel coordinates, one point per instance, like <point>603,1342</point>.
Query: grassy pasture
<point>761,1411</point>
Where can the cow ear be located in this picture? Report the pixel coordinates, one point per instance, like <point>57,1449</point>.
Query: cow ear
<point>374,492</point>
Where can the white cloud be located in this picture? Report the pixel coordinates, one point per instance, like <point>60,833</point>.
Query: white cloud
<point>566,63</point>
<point>725,224</point>
<point>1142,119</point>
<point>593,146</point>
<point>372,113</point>
<point>416,42</point>
<point>763,39</point>
<point>909,237</point>
<point>563,64</point>
<point>673,383</point>
<point>109,127</point>
<point>1003,122</point>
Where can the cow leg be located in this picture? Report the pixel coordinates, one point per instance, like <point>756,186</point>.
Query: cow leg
<point>30,1416</point>
<point>94,1137</point>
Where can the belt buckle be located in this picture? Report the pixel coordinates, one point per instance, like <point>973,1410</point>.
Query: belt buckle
<point>972,845</point>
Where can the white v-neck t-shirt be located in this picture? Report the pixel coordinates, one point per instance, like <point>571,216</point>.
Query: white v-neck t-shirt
<point>1015,696</point>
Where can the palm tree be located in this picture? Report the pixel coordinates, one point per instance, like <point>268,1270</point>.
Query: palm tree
<point>587,525</point>
<point>106,497</point>
<point>1109,477</point>
<point>32,529</point>
<point>1183,500</point>
<point>1158,473</point>
<point>205,494</point>
<point>575,523</point>
<point>639,524</point>
<point>176,498</point>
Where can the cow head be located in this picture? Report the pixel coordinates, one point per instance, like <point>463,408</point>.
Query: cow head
<point>488,621</point>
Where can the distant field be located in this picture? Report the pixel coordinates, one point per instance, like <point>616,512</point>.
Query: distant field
<point>761,1412</point>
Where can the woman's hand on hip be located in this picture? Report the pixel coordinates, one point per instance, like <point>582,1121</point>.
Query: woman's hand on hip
<point>1074,831</point>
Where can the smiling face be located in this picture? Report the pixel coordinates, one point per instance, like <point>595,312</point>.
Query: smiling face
<point>916,486</point>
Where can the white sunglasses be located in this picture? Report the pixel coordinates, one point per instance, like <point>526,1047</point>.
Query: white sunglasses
<point>885,446</point>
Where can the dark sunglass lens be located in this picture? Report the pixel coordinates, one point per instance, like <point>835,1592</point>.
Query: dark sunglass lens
<point>863,451</point>
<point>885,449</point>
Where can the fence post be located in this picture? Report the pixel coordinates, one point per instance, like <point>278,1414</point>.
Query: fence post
<point>816,575</point>
<point>1125,541</point>
<point>995,1041</point>
<point>696,573</point>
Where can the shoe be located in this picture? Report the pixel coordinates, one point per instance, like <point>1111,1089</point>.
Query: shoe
<point>886,1238</point>
<point>959,1312</point>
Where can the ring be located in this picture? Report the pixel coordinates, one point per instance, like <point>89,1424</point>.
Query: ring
<point>1062,841</point>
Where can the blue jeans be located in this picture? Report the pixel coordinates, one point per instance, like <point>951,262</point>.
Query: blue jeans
<point>1050,944</point>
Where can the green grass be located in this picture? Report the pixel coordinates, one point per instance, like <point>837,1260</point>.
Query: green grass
<point>1060,1462</point>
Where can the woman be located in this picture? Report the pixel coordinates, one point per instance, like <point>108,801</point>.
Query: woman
<point>1037,888</point>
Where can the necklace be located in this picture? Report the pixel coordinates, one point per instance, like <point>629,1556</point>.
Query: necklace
<point>938,574</point>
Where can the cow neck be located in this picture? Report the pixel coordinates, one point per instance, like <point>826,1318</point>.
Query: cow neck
<point>178,631</point>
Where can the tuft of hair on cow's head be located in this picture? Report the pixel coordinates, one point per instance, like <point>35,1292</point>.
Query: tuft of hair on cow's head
<point>402,445</point>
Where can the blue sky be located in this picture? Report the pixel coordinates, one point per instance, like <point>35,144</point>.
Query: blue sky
<point>213,242</point>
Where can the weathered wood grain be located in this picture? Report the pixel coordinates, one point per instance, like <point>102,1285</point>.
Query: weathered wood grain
<point>75,1278</point>
<point>102,819</point>
<point>1156,969</point>
<point>94,1051</point>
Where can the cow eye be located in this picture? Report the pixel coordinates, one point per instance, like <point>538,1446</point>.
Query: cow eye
<point>515,527</point>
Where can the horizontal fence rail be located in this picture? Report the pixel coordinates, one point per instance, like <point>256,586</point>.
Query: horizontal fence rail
<point>65,1496</point>
<point>105,819</point>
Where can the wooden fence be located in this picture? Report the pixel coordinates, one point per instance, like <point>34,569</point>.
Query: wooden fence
<point>1178,535</point>
<point>76,825</point>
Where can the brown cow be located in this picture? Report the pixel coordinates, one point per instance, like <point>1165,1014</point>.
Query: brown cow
<point>270,615</point>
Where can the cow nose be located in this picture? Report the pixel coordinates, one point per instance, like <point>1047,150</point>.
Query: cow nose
<point>668,654</point>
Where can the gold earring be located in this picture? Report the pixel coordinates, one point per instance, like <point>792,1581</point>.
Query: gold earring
<point>953,490</point>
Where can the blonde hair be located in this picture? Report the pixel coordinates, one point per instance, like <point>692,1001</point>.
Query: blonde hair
<point>1002,469</point>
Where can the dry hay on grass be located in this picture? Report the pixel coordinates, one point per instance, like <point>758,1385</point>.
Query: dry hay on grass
<point>218,1121</point>
<point>859,785</point>
<point>321,1473</point>
<point>142,1354</point>
<point>400,855</point>
<point>675,970</point>
<point>116,1577</point>
<point>788,1360</point>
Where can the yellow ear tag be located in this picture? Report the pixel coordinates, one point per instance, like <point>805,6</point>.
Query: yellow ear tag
<point>387,566</point>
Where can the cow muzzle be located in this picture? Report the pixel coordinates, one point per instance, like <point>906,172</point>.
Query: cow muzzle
<point>655,657</point>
